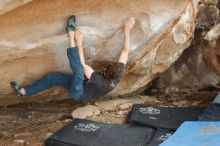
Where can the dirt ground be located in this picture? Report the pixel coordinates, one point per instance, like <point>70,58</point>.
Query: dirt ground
<point>31,124</point>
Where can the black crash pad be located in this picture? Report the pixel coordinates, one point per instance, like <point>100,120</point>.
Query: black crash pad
<point>89,133</point>
<point>158,137</point>
<point>163,117</point>
<point>211,113</point>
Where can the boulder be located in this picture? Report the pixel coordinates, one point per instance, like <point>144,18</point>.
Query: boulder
<point>8,5</point>
<point>213,49</point>
<point>198,67</point>
<point>85,112</point>
<point>33,40</point>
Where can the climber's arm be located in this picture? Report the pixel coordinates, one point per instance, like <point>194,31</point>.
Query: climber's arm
<point>129,23</point>
<point>87,69</point>
<point>124,54</point>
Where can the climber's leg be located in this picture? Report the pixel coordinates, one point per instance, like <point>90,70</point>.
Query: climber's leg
<point>50,80</point>
<point>76,84</point>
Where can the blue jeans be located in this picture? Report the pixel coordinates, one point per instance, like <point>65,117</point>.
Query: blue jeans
<point>73,83</point>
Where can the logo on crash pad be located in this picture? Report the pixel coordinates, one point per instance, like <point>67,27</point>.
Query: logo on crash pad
<point>86,127</point>
<point>164,137</point>
<point>149,110</point>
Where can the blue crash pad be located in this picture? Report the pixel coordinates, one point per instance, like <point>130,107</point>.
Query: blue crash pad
<point>217,99</point>
<point>195,134</point>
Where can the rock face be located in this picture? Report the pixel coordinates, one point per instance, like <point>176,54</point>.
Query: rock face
<point>189,73</point>
<point>213,49</point>
<point>33,41</point>
<point>86,111</point>
<point>199,65</point>
<point>8,5</point>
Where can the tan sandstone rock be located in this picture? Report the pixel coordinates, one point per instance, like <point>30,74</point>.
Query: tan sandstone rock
<point>8,5</point>
<point>193,69</point>
<point>33,40</point>
<point>86,111</point>
<point>214,33</point>
<point>213,38</point>
<point>121,104</point>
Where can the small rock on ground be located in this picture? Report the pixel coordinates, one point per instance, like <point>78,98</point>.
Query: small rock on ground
<point>19,142</point>
<point>86,111</point>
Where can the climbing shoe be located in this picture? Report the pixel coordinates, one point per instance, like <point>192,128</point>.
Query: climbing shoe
<point>71,23</point>
<point>17,89</point>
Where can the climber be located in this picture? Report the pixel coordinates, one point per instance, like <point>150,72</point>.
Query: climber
<point>97,84</point>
